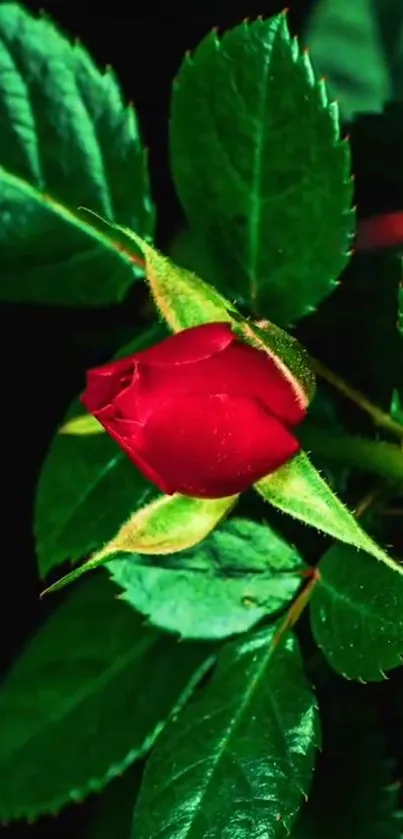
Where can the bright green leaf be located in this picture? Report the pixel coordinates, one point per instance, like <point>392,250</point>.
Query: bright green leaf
<point>182,298</point>
<point>67,139</point>
<point>87,487</point>
<point>82,426</point>
<point>238,760</point>
<point>359,48</point>
<point>87,697</point>
<point>260,168</point>
<point>298,489</point>
<point>223,586</point>
<point>357,614</point>
<point>168,525</point>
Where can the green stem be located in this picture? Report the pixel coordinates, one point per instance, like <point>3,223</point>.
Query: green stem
<point>379,417</point>
<point>384,459</point>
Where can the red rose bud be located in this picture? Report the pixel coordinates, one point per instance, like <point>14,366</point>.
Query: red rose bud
<point>383,231</point>
<point>201,413</point>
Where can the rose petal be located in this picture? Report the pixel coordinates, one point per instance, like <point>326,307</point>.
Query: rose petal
<point>129,437</point>
<point>103,383</point>
<point>382,231</point>
<point>189,346</point>
<point>214,446</point>
<point>238,369</point>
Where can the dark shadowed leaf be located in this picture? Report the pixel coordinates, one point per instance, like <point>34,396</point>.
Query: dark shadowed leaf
<point>224,585</point>
<point>238,760</point>
<point>271,204</point>
<point>67,139</point>
<point>357,614</point>
<point>86,698</point>
<point>359,48</point>
<point>87,487</point>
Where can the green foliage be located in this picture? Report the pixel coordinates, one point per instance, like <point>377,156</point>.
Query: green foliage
<point>359,47</point>
<point>67,139</point>
<point>223,586</point>
<point>87,697</point>
<point>168,525</point>
<point>357,614</point>
<point>271,204</point>
<point>231,710</point>
<point>396,406</point>
<point>298,489</point>
<point>237,761</point>
<point>381,458</point>
<point>99,490</point>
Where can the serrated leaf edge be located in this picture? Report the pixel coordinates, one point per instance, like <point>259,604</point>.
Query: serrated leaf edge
<point>96,785</point>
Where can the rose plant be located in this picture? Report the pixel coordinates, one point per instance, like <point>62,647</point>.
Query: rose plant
<point>229,481</point>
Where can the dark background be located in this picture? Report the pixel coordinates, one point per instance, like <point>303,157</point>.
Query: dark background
<point>45,351</point>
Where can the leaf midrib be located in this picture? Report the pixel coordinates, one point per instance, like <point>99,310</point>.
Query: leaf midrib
<point>233,725</point>
<point>62,211</point>
<point>256,186</point>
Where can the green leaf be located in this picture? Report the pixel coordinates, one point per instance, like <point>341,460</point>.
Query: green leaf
<point>396,406</point>
<point>182,298</point>
<point>87,487</point>
<point>357,614</point>
<point>260,168</point>
<point>83,426</point>
<point>360,799</point>
<point>359,47</point>
<point>87,697</point>
<point>67,139</point>
<point>298,489</point>
<point>400,308</point>
<point>168,525</point>
<point>223,586</point>
<point>237,761</point>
